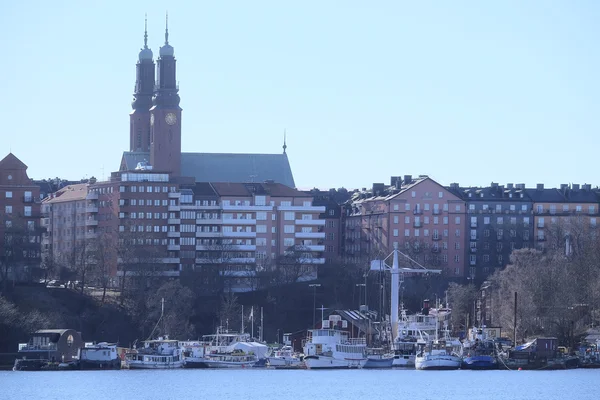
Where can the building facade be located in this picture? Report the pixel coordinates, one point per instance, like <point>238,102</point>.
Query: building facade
<point>20,231</point>
<point>425,219</point>
<point>499,220</point>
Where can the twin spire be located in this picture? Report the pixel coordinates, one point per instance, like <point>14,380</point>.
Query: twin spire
<point>167,49</point>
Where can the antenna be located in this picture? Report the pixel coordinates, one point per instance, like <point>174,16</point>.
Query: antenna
<point>322,312</point>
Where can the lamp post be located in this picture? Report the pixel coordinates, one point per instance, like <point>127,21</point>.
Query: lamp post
<point>314,286</point>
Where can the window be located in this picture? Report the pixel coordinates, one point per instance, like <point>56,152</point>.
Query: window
<point>425,232</point>
<point>593,222</point>
<point>288,229</point>
<point>456,246</point>
<point>261,229</point>
<point>9,195</point>
<point>471,207</point>
<point>27,210</point>
<point>406,207</point>
<point>260,201</point>
<point>331,213</point>
<point>417,233</point>
<point>307,203</point>
<point>425,220</point>
<point>457,208</point>
<point>456,258</point>
<point>331,236</point>
<point>578,209</point>
<point>261,241</point>
<point>513,220</point>
<point>289,216</point>
<point>407,232</point>
<point>457,233</point>
<point>8,209</point>
<point>414,194</point>
<point>457,220</point>
<point>395,219</point>
<point>441,195</point>
<point>407,220</point>
<point>499,220</point>
<point>396,232</point>
<point>592,209</point>
<point>445,220</point>
<point>288,242</point>
<point>396,207</point>
<point>261,216</point>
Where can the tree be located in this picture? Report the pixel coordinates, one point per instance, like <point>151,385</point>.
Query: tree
<point>229,310</point>
<point>178,310</point>
<point>462,299</point>
<point>105,257</point>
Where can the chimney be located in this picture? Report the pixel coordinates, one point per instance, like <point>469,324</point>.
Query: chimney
<point>520,186</point>
<point>575,186</point>
<point>407,179</point>
<point>509,186</point>
<point>425,310</point>
<point>540,186</point>
<point>587,187</point>
<point>453,186</point>
<point>563,187</point>
<point>494,185</point>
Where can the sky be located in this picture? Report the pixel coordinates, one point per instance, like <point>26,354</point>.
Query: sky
<point>463,91</point>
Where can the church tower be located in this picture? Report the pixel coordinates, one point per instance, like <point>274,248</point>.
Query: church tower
<point>165,114</point>
<point>139,118</point>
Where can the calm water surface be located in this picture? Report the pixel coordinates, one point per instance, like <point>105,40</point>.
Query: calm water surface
<point>305,385</point>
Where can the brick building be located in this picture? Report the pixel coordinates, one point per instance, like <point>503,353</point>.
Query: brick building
<point>20,231</point>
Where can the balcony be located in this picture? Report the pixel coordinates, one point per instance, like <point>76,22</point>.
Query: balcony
<point>319,209</point>
<point>174,208</point>
<point>173,247</point>
<point>208,221</point>
<point>27,199</point>
<point>436,238</point>
<point>208,260</point>
<point>173,234</point>
<point>310,235</point>
<point>91,222</point>
<point>170,260</point>
<point>310,247</point>
<point>247,208</point>
<point>208,234</point>
<point>173,221</point>
<point>473,249</point>
<point>91,209</point>
<point>241,260</point>
<point>226,247</point>
<point>312,261</point>
<point>200,207</point>
<point>473,237</point>
<point>242,234</point>
<point>312,222</point>
<point>472,262</point>
<point>240,221</point>
<point>92,196</point>
<point>417,211</point>
<point>174,195</point>
<point>541,238</point>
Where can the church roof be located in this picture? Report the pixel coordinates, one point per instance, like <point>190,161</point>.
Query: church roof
<point>227,167</point>
<point>12,162</point>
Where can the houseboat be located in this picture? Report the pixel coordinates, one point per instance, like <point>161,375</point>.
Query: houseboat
<point>99,356</point>
<point>161,353</point>
<point>48,348</point>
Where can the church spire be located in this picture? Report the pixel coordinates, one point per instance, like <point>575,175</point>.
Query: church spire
<point>145,31</point>
<point>284,144</point>
<point>167,28</point>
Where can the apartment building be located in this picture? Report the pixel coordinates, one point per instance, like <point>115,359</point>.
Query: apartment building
<point>20,231</point>
<point>562,212</point>
<point>423,217</point>
<point>332,200</point>
<point>499,220</point>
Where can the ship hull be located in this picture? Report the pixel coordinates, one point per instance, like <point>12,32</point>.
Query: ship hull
<point>480,363</point>
<point>327,362</point>
<point>437,363</point>
<point>105,364</point>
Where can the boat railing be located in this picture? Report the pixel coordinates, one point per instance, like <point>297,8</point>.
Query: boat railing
<point>357,341</point>
<point>39,347</point>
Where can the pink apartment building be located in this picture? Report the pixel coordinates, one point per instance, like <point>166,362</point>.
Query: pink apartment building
<point>424,218</point>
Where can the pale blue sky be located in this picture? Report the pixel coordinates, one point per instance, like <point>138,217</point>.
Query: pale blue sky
<point>464,91</point>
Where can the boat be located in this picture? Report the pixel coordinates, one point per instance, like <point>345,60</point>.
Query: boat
<point>479,351</point>
<point>410,328</point>
<point>436,353</point>
<point>379,358</point>
<point>589,355</point>
<point>538,354</point>
<point>161,353</point>
<point>285,357</point>
<point>99,356</point>
<point>225,349</point>
<point>329,348</point>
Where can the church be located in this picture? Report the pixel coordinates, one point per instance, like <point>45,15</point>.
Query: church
<point>155,132</point>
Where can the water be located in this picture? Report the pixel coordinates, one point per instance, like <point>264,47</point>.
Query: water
<point>294,385</point>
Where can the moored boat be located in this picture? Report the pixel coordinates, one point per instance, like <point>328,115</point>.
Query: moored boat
<point>378,358</point>
<point>99,356</point>
<point>156,354</point>
<point>479,351</point>
<point>285,358</point>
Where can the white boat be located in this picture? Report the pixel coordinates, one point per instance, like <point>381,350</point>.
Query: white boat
<point>285,358</point>
<point>156,354</point>
<point>378,358</point>
<point>99,356</point>
<point>332,348</point>
<point>438,354</point>
<point>224,349</point>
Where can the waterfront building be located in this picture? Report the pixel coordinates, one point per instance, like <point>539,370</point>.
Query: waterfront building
<point>499,220</point>
<point>20,231</point>
<point>424,218</point>
<point>332,200</point>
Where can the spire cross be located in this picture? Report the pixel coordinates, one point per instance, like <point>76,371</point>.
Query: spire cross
<point>167,28</point>
<point>145,31</point>
<point>284,145</point>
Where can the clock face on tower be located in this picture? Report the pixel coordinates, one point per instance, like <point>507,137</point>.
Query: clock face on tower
<point>171,119</point>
